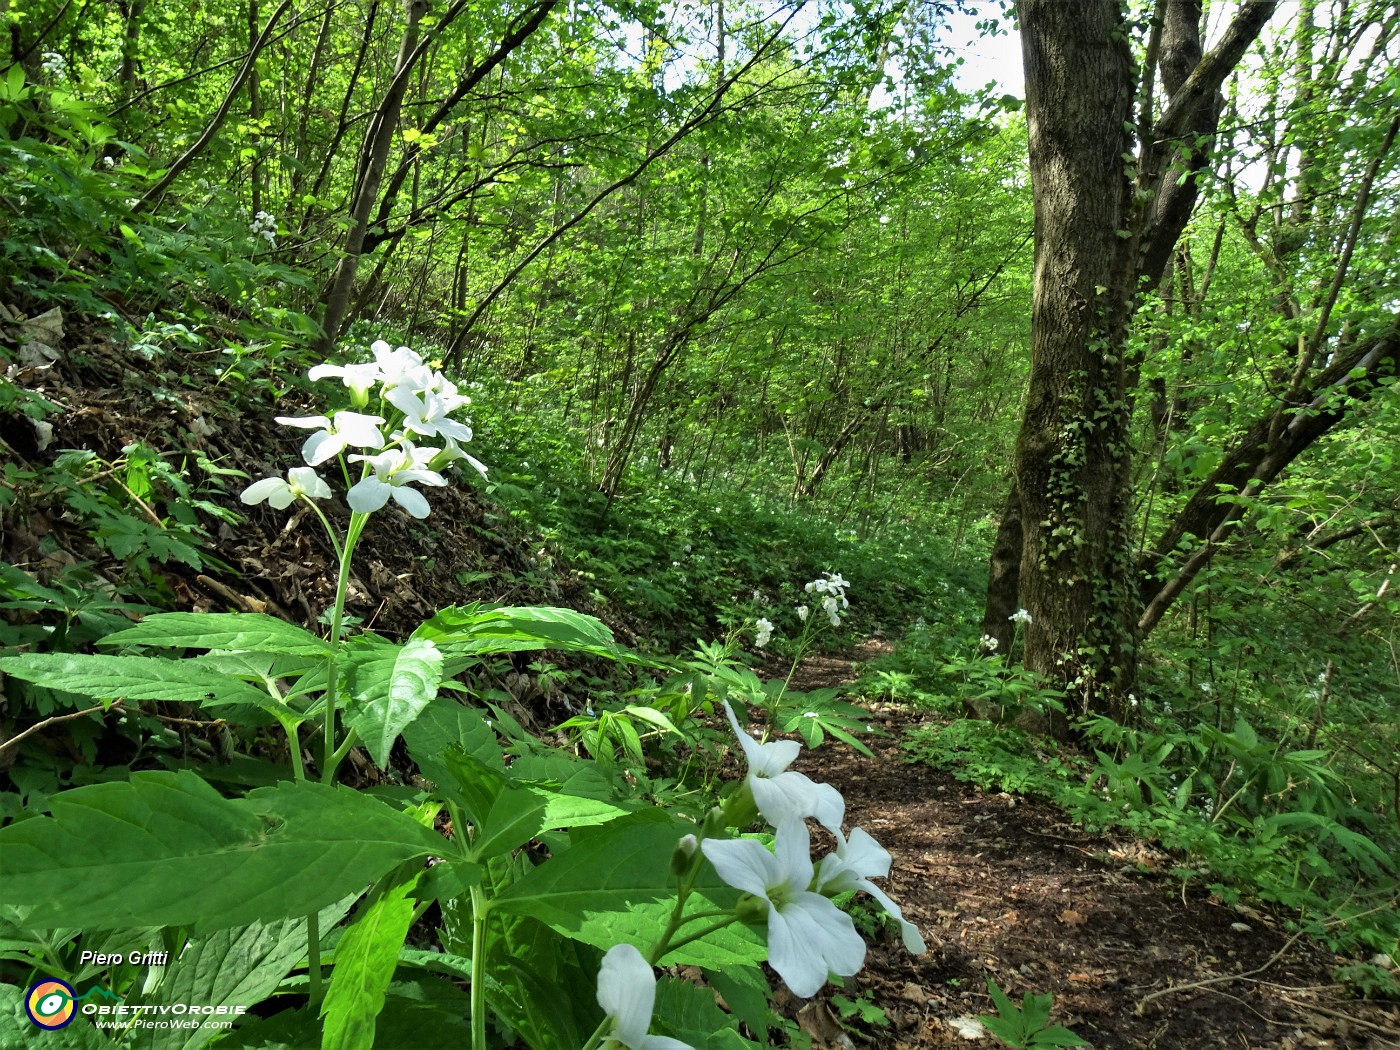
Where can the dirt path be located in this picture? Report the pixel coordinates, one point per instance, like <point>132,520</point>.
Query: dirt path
<point>1005,887</point>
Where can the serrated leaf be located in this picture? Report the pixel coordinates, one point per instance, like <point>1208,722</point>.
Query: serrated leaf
<point>448,727</point>
<point>250,632</point>
<point>134,678</point>
<point>17,1032</point>
<point>614,885</point>
<point>478,629</point>
<point>389,692</point>
<point>364,965</point>
<point>165,849</point>
<point>241,966</point>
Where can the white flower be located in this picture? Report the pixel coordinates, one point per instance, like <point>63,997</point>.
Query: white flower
<point>401,367</point>
<point>989,643</point>
<point>803,612</point>
<point>357,377</point>
<point>334,435</point>
<point>627,994</point>
<point>1020,616</point>
<point>453,452</point>
<point>394,470</point>
<point>781,793</point>
<point>832,605</point>
<point>108,163</point>
<point>301,481</point>
<point>832,583</point>
<point>808,936</point>
<point>765,632</point>
<point>426,413</point>
<point>1206,688</point>
<point>856,861</point>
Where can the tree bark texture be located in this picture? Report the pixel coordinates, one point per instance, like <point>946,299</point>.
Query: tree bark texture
<point>1107,220</point>
<point>1072,453</point>
<point>373,158</point>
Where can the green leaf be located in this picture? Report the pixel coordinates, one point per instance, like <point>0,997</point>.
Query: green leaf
<point>134,678</point>
<point>448,727</point>
<point>165,849</point>
<point>614,885</point>
<point>18,1032</point>
<point>365,958</point>
<point>514,819</point>
<point>241,966</point>
<point>478,629</point>
<point>622,865</point>
<point>252,632</point>
<point>688,1012</point>
<point>390,692</point>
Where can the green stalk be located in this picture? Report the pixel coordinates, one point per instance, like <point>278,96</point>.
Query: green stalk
<point>478,990</point>
<point>313,959</point>
<point>342,585</point>
<point>729,919</point>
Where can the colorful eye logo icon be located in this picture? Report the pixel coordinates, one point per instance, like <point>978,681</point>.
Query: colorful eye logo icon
<point>49,1004</point>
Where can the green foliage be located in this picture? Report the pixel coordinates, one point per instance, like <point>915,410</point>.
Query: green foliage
<point>1029,1027</point>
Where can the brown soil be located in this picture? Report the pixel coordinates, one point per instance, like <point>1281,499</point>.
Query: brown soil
<point>1004,887</point>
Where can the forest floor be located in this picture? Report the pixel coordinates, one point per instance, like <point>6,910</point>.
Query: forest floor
<point>1005,886</point>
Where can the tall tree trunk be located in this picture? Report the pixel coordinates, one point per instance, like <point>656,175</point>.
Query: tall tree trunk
<point>1072,453</point>
<point>1105,229</point>
<point>373,157</point>
<point>255,111</point>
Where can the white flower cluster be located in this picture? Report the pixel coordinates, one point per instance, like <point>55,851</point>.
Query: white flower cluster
<point>988,643</point>
<point>765,631</point>
<point>1020,616</point>
<point>421,401</point>
<point>833,586</point>
<point>808,936</point>
<point>55,65</point>
<point>265,226</point>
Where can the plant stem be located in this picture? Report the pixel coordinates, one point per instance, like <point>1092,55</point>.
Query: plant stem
<point>478,989</point>
<point>313,959</point>
<point>342,585</point>
<point>705,932</point>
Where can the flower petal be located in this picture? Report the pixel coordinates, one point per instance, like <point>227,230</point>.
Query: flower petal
<point>321,446</point>
<point>627,993</point>
<point>306,479</point>
<point>411,500</point>
<point>809,938</point>
<point>865,855</point>
<point>792,847</point>
<point>908,932</point>
<point>743,864</point>
<point>368,495</point>
<point>262,490</point>
<point>794,794</point>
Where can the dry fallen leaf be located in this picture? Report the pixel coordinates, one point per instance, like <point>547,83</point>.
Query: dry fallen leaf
<point>1070,917</point>
<point>967,1026</point>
